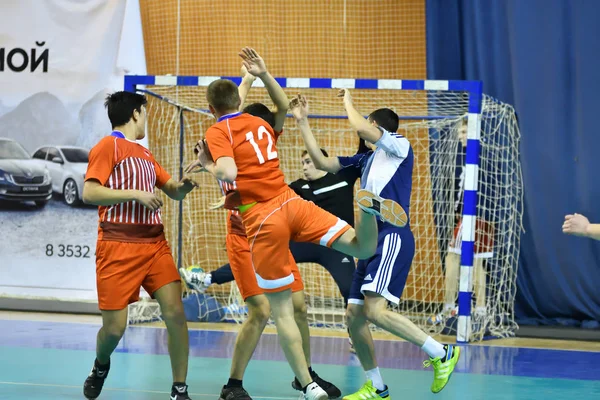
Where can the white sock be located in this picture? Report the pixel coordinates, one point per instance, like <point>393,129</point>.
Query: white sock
<point>208,279</point>
<point>375,376</point>
<point>433,349</point>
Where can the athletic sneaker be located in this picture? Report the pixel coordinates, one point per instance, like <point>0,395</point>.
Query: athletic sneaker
<point>234,393</point>
<point>94,382</point>
<point>385,209</point>
<point>194,277</point>
<point>179,393</point>
<point>443,367</point>
<point>332,391</point>
<point>315,392</point>
<point>368,391</point>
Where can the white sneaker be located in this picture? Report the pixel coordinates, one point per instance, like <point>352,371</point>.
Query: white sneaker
<point>194,277</point>
<point>314,392</point>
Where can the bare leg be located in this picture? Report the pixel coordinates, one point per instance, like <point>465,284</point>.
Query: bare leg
<point>249,335</point>
<point>169,299</point>
<point>377,312</point>
<point>361,336</point>
<point>113,328</point>
<point>289,334</point>
<point>362,242</point>
<point>301,317</point>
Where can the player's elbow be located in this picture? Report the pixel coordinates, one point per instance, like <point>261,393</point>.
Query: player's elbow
<point>226,169</point>
<point>88,196</point>
<point>226,173</point>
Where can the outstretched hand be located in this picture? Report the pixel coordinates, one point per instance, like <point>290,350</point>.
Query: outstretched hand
<point>194,167</point>
<point>187,184</point>
<point>299,107</point>
<point>575,224</point>
<point>253,63</point>
<point>345,93</point>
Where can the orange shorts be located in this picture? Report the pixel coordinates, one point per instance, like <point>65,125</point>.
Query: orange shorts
<point>272,224</point>
<point>240,261</point>
<point>122,268</point>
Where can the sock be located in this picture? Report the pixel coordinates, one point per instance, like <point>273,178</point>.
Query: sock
<point>233,383</point>
<point>374,376</point>
<point>448,350</point>
<point>305,387</point>
<point>433,349</point>
<point>208,279</point>
<point>101,367</point>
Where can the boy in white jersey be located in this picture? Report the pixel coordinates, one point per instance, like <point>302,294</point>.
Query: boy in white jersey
<point>386,173</point>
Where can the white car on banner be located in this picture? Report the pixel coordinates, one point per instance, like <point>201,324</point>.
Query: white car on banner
<point>67,166</point>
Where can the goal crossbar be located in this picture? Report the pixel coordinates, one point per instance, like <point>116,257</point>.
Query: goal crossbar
<point>474,89</point>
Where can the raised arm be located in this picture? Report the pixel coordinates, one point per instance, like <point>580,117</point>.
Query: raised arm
<point>299,108</point>
<point>365,130</point>
<point>256,67</point>
<point>579,225</point>
<point>244,88</point>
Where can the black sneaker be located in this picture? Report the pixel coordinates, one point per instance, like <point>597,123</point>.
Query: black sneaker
<point>332,391</point>
<point>94,382</point>
<point>234,393</point>
<point>179,392</point>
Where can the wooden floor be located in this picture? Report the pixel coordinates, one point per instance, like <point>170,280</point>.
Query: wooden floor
<point>317,332</point>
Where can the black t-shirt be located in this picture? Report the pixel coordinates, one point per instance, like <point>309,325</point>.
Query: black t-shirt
<point>333,193</point>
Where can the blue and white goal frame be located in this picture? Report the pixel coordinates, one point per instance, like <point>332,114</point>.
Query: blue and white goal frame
<point>475,92</point>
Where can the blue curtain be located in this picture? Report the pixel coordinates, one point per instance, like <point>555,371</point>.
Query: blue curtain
<point>543,57</point>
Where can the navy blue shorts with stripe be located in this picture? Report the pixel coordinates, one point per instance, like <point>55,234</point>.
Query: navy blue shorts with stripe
<point>386,272</point>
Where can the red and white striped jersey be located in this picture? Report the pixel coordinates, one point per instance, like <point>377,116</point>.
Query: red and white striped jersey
<point>121,164</point>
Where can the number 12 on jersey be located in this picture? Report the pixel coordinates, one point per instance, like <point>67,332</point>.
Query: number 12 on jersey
<point>270,153</point>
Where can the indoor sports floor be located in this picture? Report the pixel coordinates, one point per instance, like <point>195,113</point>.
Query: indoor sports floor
<point>45,356</point>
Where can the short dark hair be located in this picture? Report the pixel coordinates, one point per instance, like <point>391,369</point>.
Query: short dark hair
<point>305,152</point>
<point>362,146</point>
<point>223,95</point>
<point>261,111</point>
<point>385,118</point>
<point>121,105</point>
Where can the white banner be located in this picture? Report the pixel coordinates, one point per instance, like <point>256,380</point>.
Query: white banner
<point>58,60</point>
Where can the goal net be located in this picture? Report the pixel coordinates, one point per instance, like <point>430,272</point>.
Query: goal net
<point>434,123</point>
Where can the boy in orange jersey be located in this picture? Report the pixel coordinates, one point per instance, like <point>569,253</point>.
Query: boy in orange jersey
<point>132,250</point>
<point>245,156</point>
<point>238,253</point>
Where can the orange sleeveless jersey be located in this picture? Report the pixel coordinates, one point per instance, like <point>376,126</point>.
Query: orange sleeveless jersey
<point>251,142</point>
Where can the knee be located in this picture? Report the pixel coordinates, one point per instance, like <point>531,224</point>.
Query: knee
<point>300,311</point>
<point>114,330</point>
<point>259,313</point>
<point>174,314</point>
<point>366,251</point>
<point>355,315</point>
